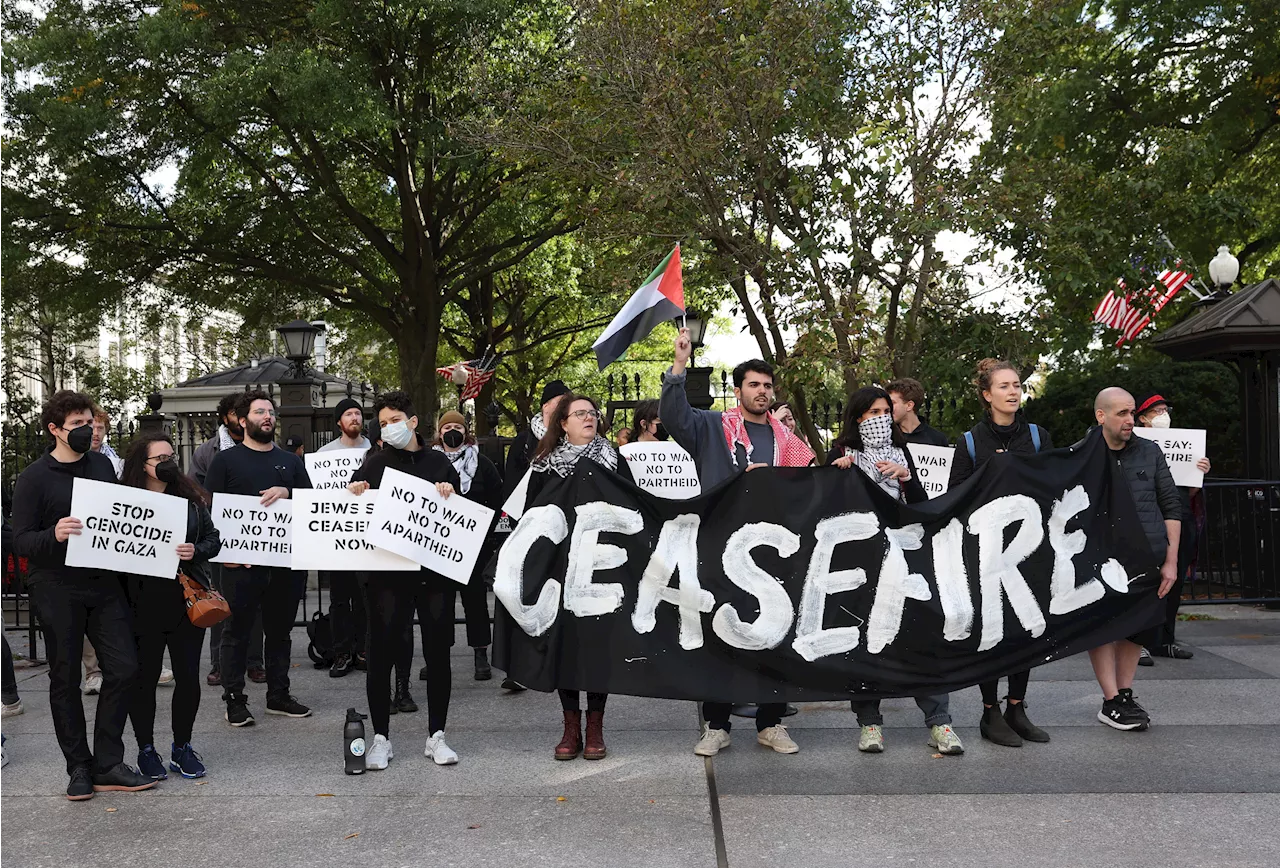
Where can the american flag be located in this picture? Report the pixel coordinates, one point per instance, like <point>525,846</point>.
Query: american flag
<point>1123,313</point>
<point>472,375</point>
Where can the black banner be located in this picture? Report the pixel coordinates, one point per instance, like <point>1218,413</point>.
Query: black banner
<point>809,584</point>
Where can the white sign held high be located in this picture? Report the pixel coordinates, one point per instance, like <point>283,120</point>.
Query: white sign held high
<point>664,469</point>
<point>331,532</point>
<point>1182,448</point>
<point>332,469</point>
<point>126,529</point>
<point>442,534</point>
<point>254,534</point>
<point>933,465</point>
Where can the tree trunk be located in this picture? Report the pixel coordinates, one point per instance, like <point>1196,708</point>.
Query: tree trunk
<point>417,345</point>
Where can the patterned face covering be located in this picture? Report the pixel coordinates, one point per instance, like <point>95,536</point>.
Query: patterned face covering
<point>876,431</point>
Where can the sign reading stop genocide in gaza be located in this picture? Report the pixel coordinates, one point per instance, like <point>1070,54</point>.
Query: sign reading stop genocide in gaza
<point>126,529</point>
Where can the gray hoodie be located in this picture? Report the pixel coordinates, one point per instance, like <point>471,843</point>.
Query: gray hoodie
<point>700,432</point>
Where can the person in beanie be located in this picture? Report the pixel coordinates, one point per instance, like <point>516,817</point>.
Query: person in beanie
<point>481,482</point>
<point>346,602</point>
<point>521,452</point>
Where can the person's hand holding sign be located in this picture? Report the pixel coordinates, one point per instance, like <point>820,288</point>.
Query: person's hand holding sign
<point>1203,465</point>
<point>274,493</point>
<point>893,470</point>
<point>358,488</point>
<point>65,528</point>
<point>186,551</point>
<point>444,489</point>
<point>844,462</point>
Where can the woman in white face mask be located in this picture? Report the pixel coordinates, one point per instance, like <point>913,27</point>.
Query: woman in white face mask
<point>872,443</point>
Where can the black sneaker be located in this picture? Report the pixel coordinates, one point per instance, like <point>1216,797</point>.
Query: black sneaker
<point>81,786</point>
<point>121,778</point>
<point>422,674</point>
<point>483,670</point>
<point>402,700</point>
<point>238,710</point>
<point>1174,651</point>
<point>185,761</point>
<point>1126,697</point>
<point>150,764</point>
<point>342,665</point>
<point>288,707</point>
<point>1144,659</point>
<point>1117,715</point>
<point>362,662</point>
<point>511,684</point>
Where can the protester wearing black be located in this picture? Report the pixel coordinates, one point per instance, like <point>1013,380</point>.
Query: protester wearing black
<point>160,613</point>
<point>1153,411</point>
<point>481,482</point>
<point>573,434</point>
<point>908,397</point>
<point>520,454</point>
<point>74,602</point>
<point>1001,430</point>
<point>259,468</point>
<point>346,598</point>
<point>1145,470</point>
<point>648,427</point>
<point>390,595</point>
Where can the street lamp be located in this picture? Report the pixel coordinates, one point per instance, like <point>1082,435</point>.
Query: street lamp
<point>1223,270</point>
<point>299,341</point>
<point>696,323</point>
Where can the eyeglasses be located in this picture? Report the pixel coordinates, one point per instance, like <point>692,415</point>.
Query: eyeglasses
<point>586,414</point>
<point>262,412</point>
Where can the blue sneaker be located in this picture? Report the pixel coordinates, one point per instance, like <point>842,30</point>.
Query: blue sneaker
<point>150,765</point>
<point>185,761</point>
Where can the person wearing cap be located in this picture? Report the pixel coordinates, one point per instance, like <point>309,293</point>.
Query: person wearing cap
<point>346,602</point>
<point>1153,412</point>
<point>482,483</point>
<point>295,445</point>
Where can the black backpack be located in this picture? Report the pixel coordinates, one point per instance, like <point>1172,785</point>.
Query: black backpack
<point>320,648</point>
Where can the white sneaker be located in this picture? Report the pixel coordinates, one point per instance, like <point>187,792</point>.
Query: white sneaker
<point>776,737</point>
<point>945,740</point>
<point>712,742</point>
<point>379,754</point>
<point>12,710</point>
<point>166,676</point>
<point>439,751</point>
<point>871,739</point>
<point>93,685</point>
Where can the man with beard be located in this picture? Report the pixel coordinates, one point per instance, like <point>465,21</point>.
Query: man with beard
<point>259,468</point>
<point>521,451</point>
<point>229,433</point>
<point>346,602</point>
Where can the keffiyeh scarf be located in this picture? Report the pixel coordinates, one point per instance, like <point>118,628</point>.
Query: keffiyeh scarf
<point>465,461</point>
<point>788,449</point>
<point>563,458</point>
<point>879,430</point>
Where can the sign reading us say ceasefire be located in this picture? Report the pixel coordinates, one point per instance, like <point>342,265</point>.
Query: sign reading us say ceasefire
<point>331,532</point>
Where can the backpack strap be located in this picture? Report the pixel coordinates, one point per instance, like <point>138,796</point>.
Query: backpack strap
<point>1035,437</point>
<point>968,442</point>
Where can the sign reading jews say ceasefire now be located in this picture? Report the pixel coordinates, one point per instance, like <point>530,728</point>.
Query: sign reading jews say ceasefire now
<point>126,529</point>
<point>252,533</point>
<point>331,532</point>
<point>1182,448</point>
<point>442,534</point>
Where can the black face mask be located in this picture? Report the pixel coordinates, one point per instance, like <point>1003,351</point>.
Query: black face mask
<point>168,472</point>
<point>80,439</point>
<point>453,438</point>
<point>661,432</point>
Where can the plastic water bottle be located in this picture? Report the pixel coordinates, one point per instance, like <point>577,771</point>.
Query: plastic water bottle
<point>353,735</point>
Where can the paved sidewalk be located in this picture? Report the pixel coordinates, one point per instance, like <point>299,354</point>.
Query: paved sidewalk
<point>1201,788</point>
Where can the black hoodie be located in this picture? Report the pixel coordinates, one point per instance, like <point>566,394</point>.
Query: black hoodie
<point>42,498</point>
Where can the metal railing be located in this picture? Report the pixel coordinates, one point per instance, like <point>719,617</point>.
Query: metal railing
<point>1237,556</point>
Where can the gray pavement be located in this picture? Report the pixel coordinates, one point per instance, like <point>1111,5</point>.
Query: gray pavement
<point>1201,788</point>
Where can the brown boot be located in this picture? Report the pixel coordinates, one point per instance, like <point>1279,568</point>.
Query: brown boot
<point>571,745</point>
<point>595,748</point>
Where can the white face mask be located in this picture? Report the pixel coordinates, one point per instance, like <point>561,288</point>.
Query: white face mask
<point>397,435</point>
<point>876,431</point>
<point>1161,421</point>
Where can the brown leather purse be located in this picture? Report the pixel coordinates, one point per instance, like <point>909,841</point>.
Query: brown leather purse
<point>205,607</point>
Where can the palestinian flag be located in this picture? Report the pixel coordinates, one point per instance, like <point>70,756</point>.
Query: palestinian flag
<point>660,299</point>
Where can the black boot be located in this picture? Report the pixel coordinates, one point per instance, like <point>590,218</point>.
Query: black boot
<point>995,730</point>
<point>483,671</point>
<point>403,701</point>
<point>1015,714</point>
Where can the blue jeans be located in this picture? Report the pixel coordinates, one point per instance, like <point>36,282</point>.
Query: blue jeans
<point>937,710</point>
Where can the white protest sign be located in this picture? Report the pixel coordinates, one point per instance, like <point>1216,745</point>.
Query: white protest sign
<point>414,521</point>
<point>664,469</point>
<point>1182,448</point>
<point>252,533</point>
<point>514,506</point>
<point>933,466</point>
<point>331,532</point>
<point>333,469</point>
<point>126,529</point>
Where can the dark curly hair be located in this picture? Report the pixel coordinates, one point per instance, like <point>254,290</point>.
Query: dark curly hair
<point>134,473</point>
<point>61,405</point>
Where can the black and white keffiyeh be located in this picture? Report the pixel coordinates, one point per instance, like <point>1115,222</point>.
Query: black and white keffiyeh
<point>877,445</point>
<point>466,460</point>
<point>562,459</point>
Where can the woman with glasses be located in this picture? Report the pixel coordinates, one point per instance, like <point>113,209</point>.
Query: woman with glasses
<point>573,434</point>
<point>160,612</point>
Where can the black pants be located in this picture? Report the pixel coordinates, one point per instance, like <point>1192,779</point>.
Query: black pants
<point>185,643</point>
<point>275,593</point>
<point>346,613</point>
<point>767,714</point>
<point>1187,545</point>
<point>571,700</point>
<point>1017,688</point>
<point>475,607</point>
<point>70,610</point>
<point>391,600</point>
<point>9,690</point>
<point>215,632</point>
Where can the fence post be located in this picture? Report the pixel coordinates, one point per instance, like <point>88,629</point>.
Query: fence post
<point>153,422</point>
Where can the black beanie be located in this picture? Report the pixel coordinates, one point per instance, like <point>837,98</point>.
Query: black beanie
<point>344,405</point>
<point>554,389</point>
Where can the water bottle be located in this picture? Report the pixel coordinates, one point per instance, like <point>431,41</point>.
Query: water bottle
<point>353,735</point>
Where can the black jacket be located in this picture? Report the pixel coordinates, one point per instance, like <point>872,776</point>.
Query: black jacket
<point>1151,484</point>
<point>158,604</point>
<point>990,439</point>
<point>912,490</point>
<point>518,457</point>
<point>41,498</point>
<point>927,435</point>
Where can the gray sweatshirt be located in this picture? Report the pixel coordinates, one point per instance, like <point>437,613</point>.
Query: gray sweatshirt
<point>700,432</point>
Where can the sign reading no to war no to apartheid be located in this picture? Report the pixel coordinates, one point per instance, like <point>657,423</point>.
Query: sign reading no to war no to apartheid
<point>332,469</point>
<point>933,465</point>
<point>665,469</point>
<point>442,534</point>
<point>331,532</point>
<point>252,533</point>
<point>1182,448</point>
<point>126,529</point>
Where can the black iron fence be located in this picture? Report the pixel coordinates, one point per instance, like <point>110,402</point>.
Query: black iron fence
<point>1238,559</point>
